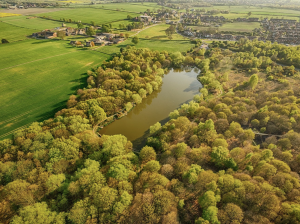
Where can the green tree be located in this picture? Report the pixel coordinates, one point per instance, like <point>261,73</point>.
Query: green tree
<point>147,153</point>
<point>90,31</point>
<point>38,214</point>
<point>253,81</point>
<point>135,40</point>
<point>118,171</point>
<point>61,34</point>
<point>136,98</point>
<point>152,166</point>
<point>80,26</point>
<point>155,128</point>
<point>96,114</point>
<point>208,199</point>
<point>4,41</point>
<point>211,214</point>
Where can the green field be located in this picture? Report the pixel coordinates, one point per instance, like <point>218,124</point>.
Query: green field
<point>34,23</point>
<point>157,32</point>
<point>37,77</point>
<point>241,11</point>
<point>86,15</point>
<point>131,7</point>
<point>234,27</point>
<point>14,33</point>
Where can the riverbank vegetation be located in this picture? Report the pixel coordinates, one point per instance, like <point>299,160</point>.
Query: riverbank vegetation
<point>229,156</point>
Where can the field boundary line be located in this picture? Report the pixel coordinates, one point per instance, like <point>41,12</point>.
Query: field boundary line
<point>36,60</point>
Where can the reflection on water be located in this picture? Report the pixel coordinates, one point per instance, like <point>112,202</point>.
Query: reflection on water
<point>178,87</point>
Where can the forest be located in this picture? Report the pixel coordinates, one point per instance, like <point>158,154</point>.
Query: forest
<point>231,155</point>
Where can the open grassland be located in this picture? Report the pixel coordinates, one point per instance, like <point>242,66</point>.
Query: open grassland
<point>86,15</point>
<point>37,77</point>
<point>14,33</point>
<point>34,23</point>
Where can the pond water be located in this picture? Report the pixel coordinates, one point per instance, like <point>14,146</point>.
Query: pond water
<point>178,87</point>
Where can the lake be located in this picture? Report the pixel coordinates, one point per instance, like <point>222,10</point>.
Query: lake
<point>178,87</point>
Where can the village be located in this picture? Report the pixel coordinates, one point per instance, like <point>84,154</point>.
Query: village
<point>285,31</point>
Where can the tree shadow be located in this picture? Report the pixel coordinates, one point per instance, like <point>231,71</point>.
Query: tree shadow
<point>50,114</point>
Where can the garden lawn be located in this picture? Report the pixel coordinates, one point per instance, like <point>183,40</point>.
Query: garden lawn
<point>34,23</point>
<point>37,78</point>
<point>14,33</point>
<point>86,15</point>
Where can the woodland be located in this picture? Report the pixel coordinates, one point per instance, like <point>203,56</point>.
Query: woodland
<point>230,156</point>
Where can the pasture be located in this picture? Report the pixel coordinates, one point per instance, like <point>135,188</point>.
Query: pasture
<point>239,26</point>
<point>132,7</point>
<point>157,32</point>
<point>34,23</point>
<point>241,11</point>
<point>14,33</point>
<point>37,77</point>
<point>86,15</point>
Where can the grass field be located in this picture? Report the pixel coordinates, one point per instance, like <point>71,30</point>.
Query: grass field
<point>158,33</point>
<point>234,27</point>
<point>14,33</point>
<point>37,77</point>
<point>34,23</point>
<point>131,7</point>
<point>86,15</point>
<point>241,11</point>
<point>239,26</point>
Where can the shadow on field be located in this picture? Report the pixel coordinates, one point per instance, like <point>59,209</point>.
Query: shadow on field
<point>81,82</point>
<point>50,114</point>
<point>44,40</point>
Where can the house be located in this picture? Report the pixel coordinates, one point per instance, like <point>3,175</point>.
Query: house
<point>109,35</point>
<point>228,37</point>
<point>254,19</point>
<point>218,36</point>
<point>239,37</point>
<point>46,34</point>
<point>118,40</point>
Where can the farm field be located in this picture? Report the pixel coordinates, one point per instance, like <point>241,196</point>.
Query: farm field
<point>30,11</point>
<point>14,33</point>
<point>37,78</point>
<point>235,27</point>
<point>132,7</point>
<point>239,26</point>
<point>158,32</point>
<point>34,23</point>
<point>86,15</point>
<point>241,11</point>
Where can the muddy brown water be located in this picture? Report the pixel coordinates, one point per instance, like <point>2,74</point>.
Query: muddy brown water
<point>179,86</point>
